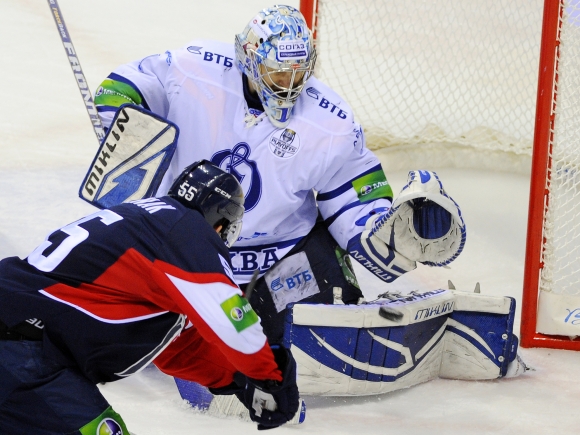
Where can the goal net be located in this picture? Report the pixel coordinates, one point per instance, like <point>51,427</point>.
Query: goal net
<point>455,83</point>
<point>426,75</point>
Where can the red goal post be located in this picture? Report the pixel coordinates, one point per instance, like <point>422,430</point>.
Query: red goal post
<point>551,302</point>
<point>457,84</point>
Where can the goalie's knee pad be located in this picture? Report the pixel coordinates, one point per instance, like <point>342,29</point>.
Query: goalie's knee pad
<point>353,350</point>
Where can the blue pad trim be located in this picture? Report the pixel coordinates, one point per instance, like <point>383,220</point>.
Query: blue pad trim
<point>132,159</point>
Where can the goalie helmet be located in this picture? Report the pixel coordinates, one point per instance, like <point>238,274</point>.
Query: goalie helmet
<point>216,194</point>
<point>276,52</point>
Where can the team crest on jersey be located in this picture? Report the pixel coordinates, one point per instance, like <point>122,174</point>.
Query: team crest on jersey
<point>236,161</point>
<point>284,143</point>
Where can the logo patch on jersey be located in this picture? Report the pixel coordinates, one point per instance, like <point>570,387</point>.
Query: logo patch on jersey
<point>291,280</point>
<point>236,161</point>
<point>372,186</point>
<point>240,312</point>
<point>284,143</point>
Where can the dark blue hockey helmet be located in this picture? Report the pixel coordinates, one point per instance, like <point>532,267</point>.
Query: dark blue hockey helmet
<point>217,195</point>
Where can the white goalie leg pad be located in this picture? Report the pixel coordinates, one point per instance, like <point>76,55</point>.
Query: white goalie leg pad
<point>424,224</point>
<point>345,350</point>
<point>352,350</point>
<point>479,342</point>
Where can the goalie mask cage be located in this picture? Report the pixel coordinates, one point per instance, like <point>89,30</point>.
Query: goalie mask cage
<point>455,83</point>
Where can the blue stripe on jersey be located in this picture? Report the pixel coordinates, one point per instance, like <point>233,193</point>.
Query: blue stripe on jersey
<point>347,207</point>
<point>346,186</point>
<point>107,108</point>
<point>279,245</point>
<point>122,79</point>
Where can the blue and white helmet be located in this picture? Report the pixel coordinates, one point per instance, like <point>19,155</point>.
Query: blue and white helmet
<point>276,52</point>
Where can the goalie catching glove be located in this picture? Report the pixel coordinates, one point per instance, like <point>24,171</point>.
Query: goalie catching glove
<point>270,403</point>
<point>423,225</point>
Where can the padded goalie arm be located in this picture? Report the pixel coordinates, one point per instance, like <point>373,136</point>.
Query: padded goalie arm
<point>378,257</point>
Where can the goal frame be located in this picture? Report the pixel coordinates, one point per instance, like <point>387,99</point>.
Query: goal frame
<point>541,163</point>
<point>540,180</point>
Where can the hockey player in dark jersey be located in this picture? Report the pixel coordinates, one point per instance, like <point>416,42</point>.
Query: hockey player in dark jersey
<point>142,282</point>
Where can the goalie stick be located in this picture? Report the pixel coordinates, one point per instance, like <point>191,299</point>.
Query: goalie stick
<point>77,69</point>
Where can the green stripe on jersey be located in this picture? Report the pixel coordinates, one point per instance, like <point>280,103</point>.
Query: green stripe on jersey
<point>240,312</point>
<point>372,186</point>
<point>114,93</point>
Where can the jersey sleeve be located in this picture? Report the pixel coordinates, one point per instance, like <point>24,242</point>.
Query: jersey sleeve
<point>192,358</point>
<point>142,83</point>
<point>199,283</point>
<point>354,187</point>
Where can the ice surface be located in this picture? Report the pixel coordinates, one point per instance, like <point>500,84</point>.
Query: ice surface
<point>47,143</point>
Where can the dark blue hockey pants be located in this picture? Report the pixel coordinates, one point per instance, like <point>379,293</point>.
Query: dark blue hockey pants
<point>39,396</point>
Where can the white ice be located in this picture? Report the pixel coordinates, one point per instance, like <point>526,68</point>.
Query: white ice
<point>47,143</point>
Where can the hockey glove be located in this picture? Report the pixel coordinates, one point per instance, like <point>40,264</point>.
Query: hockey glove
<point>237,386</point>
<point>272,403</point>
<point>424,224</point>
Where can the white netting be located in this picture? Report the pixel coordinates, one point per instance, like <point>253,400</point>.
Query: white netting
<point>561,255</point>
<point>426,75</point>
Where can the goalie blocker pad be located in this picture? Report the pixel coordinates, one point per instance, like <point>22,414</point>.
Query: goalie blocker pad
<point>132,159</point>
<point>352,350</point>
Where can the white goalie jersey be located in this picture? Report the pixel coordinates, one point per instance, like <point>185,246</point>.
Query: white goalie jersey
<point>318,163</point>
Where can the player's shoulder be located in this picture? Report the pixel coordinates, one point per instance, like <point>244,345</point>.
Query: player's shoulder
<point>161,212</point>
<point>322,107</point>
<point>167,218</point>
<point>205,54</point>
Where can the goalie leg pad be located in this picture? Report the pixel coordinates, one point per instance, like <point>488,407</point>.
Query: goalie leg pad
<point>479,342</point>
<point>352,350</point>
